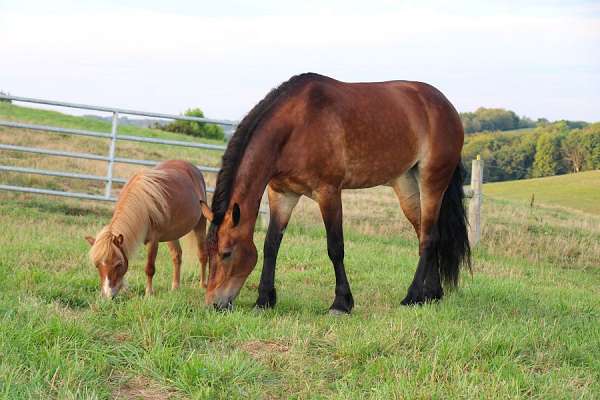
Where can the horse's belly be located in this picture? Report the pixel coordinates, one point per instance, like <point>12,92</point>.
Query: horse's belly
<point>377,169</point>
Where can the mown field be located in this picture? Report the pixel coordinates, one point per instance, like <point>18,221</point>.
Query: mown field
<point>576,191</point>
<point>523,325</point>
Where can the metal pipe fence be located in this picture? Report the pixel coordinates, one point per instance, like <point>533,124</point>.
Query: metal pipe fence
<point>473,192</point>
<point>111,159</point>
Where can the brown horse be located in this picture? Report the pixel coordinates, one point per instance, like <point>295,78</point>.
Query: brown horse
<point>158,205</point>
<point>315,136</point>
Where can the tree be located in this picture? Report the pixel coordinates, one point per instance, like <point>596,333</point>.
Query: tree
<point>548,158</point>
<point>574,150</point>
<point>5,100</point>
<point>493,119</point>
<point>195,128</point>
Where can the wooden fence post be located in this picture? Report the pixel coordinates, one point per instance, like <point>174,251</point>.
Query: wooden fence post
<point>475,202</point>
<point>264,212</point>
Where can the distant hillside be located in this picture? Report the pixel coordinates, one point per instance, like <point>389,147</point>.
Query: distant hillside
<point>141,122</point>
<point>577,191</point>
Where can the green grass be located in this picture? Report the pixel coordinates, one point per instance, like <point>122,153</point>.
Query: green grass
<point>579,191</point>
<point>523,325</point>
<point>518,328</point>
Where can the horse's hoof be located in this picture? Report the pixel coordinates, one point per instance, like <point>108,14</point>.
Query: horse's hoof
<point>337,313</point>
<point>413,299</point>
<point>343,304</point>
<point>266,299</point>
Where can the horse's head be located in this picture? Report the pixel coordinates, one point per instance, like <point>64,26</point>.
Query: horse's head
<point>232,257</point>
<point>110,259</point>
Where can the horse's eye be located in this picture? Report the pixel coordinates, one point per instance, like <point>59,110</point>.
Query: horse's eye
<point>226,255</point>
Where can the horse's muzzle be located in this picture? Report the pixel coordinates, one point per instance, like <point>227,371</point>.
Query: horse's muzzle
<point>225,304</point>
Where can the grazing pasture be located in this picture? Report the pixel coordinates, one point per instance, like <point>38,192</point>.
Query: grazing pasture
<point>579,191</point>
<point>524,324</point>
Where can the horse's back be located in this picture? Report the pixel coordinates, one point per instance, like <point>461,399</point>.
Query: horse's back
<point>368,134</point>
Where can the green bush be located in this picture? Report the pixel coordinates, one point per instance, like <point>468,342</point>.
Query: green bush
<point>5,100</point>
<point>194,128</point>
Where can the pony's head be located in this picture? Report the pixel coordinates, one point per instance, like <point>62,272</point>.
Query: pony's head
<point>232,257</point>
<point>109,257</point>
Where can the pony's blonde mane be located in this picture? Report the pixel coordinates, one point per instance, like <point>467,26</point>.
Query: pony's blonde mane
<point>143,203</point>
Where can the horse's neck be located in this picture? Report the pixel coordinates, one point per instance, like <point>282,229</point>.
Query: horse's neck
<point>254,173</point>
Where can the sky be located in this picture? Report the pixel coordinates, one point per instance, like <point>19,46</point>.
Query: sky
<point>538,58</point>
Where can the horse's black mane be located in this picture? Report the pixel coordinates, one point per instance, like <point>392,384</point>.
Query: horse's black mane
<point>240,139</point>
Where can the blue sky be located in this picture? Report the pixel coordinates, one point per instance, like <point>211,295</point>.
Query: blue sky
<point>539,58</point>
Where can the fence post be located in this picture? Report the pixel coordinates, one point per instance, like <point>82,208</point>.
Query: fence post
<point>264,211</point>
<point>111,155</point>
<point>475,202</point>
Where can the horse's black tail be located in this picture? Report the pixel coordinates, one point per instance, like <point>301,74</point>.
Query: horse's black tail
<point>452,247</point>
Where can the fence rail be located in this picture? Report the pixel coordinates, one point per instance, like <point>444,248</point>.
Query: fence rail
<point>113,136</point>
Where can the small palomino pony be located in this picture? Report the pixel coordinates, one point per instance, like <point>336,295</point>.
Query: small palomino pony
<point>157,205</point>
<point>315,136</point>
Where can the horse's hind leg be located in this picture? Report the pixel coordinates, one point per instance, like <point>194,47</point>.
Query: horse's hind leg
<point>200,235</point>
<point>175,250</point>
<point>426,285</point>
<point>406,188</point>
<point>150,266</point>
<point>281,206</point>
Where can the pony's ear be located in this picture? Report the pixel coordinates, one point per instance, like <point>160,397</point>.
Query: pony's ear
<point>235,214</point>
<point>90,240</point>
<point>206,211</point>
<point>118,240</point>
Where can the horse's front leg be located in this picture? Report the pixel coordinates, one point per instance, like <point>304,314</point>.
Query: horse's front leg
<point>330,203</point>
<point>280,209</point>
<point>150,266</point>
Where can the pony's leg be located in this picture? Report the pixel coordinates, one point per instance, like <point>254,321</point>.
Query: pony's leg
<point>426,285</point>
<point>150,266</point>
<point>330,204</point>
<point>200,234</point>
<point>281,206</point>
<point>175,250</point>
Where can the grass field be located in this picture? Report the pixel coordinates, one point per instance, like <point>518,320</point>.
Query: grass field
<point>523,325</point>
<point>576,191</point>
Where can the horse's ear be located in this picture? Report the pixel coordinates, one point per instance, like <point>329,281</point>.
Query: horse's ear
<point>90,240</point>
<point>118,240</point>
<point>206,211</point>
<point>235,214</point>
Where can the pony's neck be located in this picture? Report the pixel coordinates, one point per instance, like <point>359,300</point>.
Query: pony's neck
<point>132,238</point>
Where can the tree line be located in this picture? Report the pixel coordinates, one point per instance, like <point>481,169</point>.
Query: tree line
<point>548,149</point>
<point>495,119</point>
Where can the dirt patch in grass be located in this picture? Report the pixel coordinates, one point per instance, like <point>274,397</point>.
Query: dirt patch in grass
<point>259,349</point>
<point>140,387</point>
